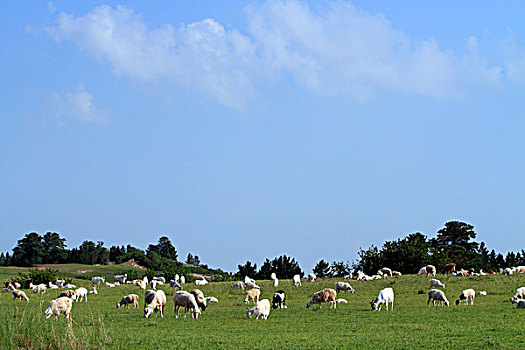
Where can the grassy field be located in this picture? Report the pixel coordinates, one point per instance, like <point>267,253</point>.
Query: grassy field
<point>492,323</point>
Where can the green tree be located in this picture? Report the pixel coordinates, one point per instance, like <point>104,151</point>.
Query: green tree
<point>189,259</point>
<point>246,270</point>
<point>54,247</point>
<point>88,253</point>
<point>29,250</point>
<point>456,233</point>
<point>339,269</point>
<point>102,254</point>
<point>164,248</point>
<point>322,269</point>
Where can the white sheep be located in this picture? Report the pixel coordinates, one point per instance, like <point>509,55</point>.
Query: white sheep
<point>385,296</point>
<point>129,299</point>
<point>41,288</point>
<point>262,308</point>
<point>182,279</point>
<point>437,295</point>
<point>466,295</point>
<point>199,298</point>
<point>297,280</point>
<point>154,301</point>
<point>212,299</point>
<point>248,280</point>
<point>252,294</point>
<point>273,276</point>
<point>120,278</point>
<point>343,286</point>
<point>153,284</point>
<point>341,301</point>
<point>508,271</point>
<point>520,294</point>
<point>201,282</point>
<point>385,271</point>
<point>183,298</point>
<point>70,285</point>
<point>436,283</point>
<point>18,294</point>
<point>251,285</point>
<point>94,291</point>
<point>81,293</point>
<point>311,277</point>
<point>52,286</point>
<point>275,282</point>
<point>97,280</point>
<point>175,284</point>
<point>239,285</point>
<point>111,285</point>
<point>519,269</point>
<point>60,283</point>
<point>61,305</point>
<point>427,270</point>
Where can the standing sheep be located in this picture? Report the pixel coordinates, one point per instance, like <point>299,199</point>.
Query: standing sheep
<point>385,296</point>
<point>437,295</point>
<point>129,299</point>
<point>466,295</point>
<point>183,298</point>
<point>520,294</point>
<point>262,308</point>
<point>326,295</point>
<point>59,306</point>
<point>154,301</point>
<point>18,294</point>
<point>81,293</point>
<point>311,277</point>
<point>279,300</point>
<point>297,280</point>
<point>427,270</point>
<point>199,298</point>
<point>239,285</point>
<point>385,271</point>
<point>252,294</point>
<point>343,286</point>
<point>436,283</point>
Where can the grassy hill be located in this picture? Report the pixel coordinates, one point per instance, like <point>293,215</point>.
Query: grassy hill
<point>491,323</point>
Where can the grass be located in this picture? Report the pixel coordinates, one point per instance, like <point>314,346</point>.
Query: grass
<point>491,323</point>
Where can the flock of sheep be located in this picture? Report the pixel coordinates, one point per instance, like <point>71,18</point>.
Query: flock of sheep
<point>195,301</point>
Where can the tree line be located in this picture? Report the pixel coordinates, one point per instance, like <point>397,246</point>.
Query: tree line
<point>454,243</point>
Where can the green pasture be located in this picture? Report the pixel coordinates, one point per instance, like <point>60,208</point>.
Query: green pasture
<point>492,323</point>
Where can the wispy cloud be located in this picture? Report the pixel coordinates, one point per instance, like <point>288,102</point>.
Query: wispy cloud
<point>340,49</point>
<point>74,104</point>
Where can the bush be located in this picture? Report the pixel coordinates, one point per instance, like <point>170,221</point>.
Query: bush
<point>36,277</point>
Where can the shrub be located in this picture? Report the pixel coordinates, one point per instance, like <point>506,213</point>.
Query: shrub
<point>36,277</point>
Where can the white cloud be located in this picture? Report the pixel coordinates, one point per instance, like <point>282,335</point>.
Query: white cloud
<point>75,103</point>
<point>340,50</point>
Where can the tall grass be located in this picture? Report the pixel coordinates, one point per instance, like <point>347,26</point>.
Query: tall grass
<point>25,327</point>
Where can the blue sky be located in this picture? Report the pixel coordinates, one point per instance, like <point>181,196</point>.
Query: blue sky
<point>249,129</point>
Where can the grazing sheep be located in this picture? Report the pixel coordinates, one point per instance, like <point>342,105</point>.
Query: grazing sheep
<point>68,294</point>
<point>466,295</point>
<point>153,284</point>
<point>519,269</point>
<point>41,288</point>
<point>212,300</point>
<point>508,271</point>
<point>159,279</point>
<point>252,294</point>
<point>61,305</point>
<point>520,303</point>
<point>385,296</point>
<point>120,278</point>
<point>343,286</point>
<point>81,294</point>
<point>275,282</point>
<point>251,285</point>
<point>183,298</point>
<point>18,294</point>
<point>362,277</point>
<point>520,294</point>
<point>129,299</point>
<point>262,308</point>
<point>427,270</point>
<point>396,273</point>
<point>175,284</point>
<point>9,287</point>
<point>111,285</point>
<point>97,280</point>
<point>60,283</point>
<point>311,277</point>
<point>326,295</point>
<point>142,284</point>
<point>239,285</point>
<point>279,300</point>
<point>385,271</point>
<point>52,286</point>
<point>437,295</point>
<point>199,298</point>
<point>436,283</point>
<point>154,301</point>
<point>201,282</point>
<point>297,280</point>
<point>463,273</point>
<point>249,280</point>
<point>341,301</point>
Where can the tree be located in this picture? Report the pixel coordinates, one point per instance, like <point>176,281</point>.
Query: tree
<point>116,253</point>
<point>246,270</point>
<point>164,248</point>
<point>102,254</point>
<point>189,259</point>
<point>29,250</point>
<point>322,269</point>
<point>2,259</point>
<point>339,269</point>
<point>283,266</point>
<point>456,233</point>
<point>88,253</point>
<point>54,247</point>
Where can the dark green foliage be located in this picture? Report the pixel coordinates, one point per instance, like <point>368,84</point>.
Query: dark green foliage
<point>54,247</point>
<point>193,260</point>
<point>283,266</point>
<point>322,269</point>
<point>29,250</point>
<point>36,277</point>
<point>339,269</point>
<point>133,274</point>
<point>164,248</point>
<point>246,270</point>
